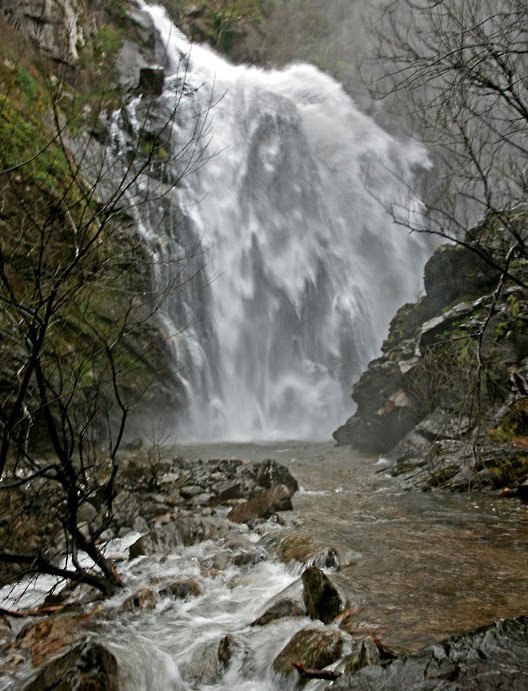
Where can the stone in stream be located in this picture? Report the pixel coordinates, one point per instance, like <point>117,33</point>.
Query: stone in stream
<point>280,610</point>
<point>322,599</point>
<point>304,549</point>
<point>45,638</point>
<point>181,588</point>
<point>227,648</point>
<point>88,666</point>
<point>142,599</point>
<point>269,473</point>
<point>262,505</point>
<point>313,649</point>
<point>204,667</point>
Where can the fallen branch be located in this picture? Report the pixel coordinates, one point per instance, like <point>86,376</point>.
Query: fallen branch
<point>304,673</point>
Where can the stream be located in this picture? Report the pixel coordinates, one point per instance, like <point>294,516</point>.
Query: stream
<point>421,566</point>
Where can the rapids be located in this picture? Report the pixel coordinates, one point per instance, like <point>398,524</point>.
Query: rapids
<point>422,567</point>
<point>418,567</point>
<point>293,263</point>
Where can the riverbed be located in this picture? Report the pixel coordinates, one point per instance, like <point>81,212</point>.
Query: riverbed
<point>428,564</point>
<point>416,568</point>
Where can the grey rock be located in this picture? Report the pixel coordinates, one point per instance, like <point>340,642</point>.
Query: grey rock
<point>493,658</point>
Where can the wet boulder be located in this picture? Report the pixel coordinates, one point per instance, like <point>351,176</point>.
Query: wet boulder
<point>185,530</point>
<point>322,599</point>
<point>88,666</point>
<point>181,588</point>
<point>280,610</point>
<point>312,649</point>
<point>262,505</point>
<point>204,667</point>
<point>45,638</point>
<point>269,473</point>
<point>142,599</point>
<point>304,549</point>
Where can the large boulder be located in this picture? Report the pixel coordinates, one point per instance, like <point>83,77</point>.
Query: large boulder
<point>262,505</point>
<point>88,666</point>
<point>313,649</point>
<point>269,473</point>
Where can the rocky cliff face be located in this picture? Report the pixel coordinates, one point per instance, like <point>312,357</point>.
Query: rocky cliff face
<point>447,400</point>
<point>59,28</point>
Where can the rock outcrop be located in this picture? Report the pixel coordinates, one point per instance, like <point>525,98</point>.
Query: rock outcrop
<point>492,658</point>
<point>59,28</point>
<point>447,400</point>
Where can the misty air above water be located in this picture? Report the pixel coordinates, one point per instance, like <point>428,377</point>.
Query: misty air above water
<point>297,266</point>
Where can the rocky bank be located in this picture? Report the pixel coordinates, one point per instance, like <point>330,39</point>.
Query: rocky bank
<point>64,643</point>
<point>446,403</point>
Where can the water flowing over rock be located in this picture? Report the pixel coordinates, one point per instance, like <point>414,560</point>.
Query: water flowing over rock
<point>283,608</point>
<point>289,266</point>
<point>88,666</point>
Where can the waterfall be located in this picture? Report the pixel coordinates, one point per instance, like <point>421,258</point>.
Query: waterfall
<point>274,187</point>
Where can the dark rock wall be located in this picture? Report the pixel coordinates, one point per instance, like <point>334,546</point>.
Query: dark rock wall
<point>443,400</point>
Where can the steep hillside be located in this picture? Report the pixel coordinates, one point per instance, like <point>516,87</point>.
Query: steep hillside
<point>58,235</point>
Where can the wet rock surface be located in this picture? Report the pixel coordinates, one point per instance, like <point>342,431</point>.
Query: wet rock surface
<point>313,649</point>
<point>176,503</point>
<point>442,419</point>
<point>305,549</point>
<point>321,597</point>
<point>262,505</point>
<point>88,666</point>
<point>492,658</point>
<point>281,609</point>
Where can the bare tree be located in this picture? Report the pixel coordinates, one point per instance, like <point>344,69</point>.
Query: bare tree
<point>75,311</point>
<point>455,71</point>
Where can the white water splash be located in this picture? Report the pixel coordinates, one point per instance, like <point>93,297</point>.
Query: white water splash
<point>303,268</point>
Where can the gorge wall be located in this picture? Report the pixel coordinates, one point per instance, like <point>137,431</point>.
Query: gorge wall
<point>446,403</point>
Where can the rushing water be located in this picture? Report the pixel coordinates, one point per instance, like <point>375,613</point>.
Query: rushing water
<point>297,266</point>
<point>423,566</point>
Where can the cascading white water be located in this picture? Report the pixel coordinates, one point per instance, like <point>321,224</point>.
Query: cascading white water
<point>299,267</point>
